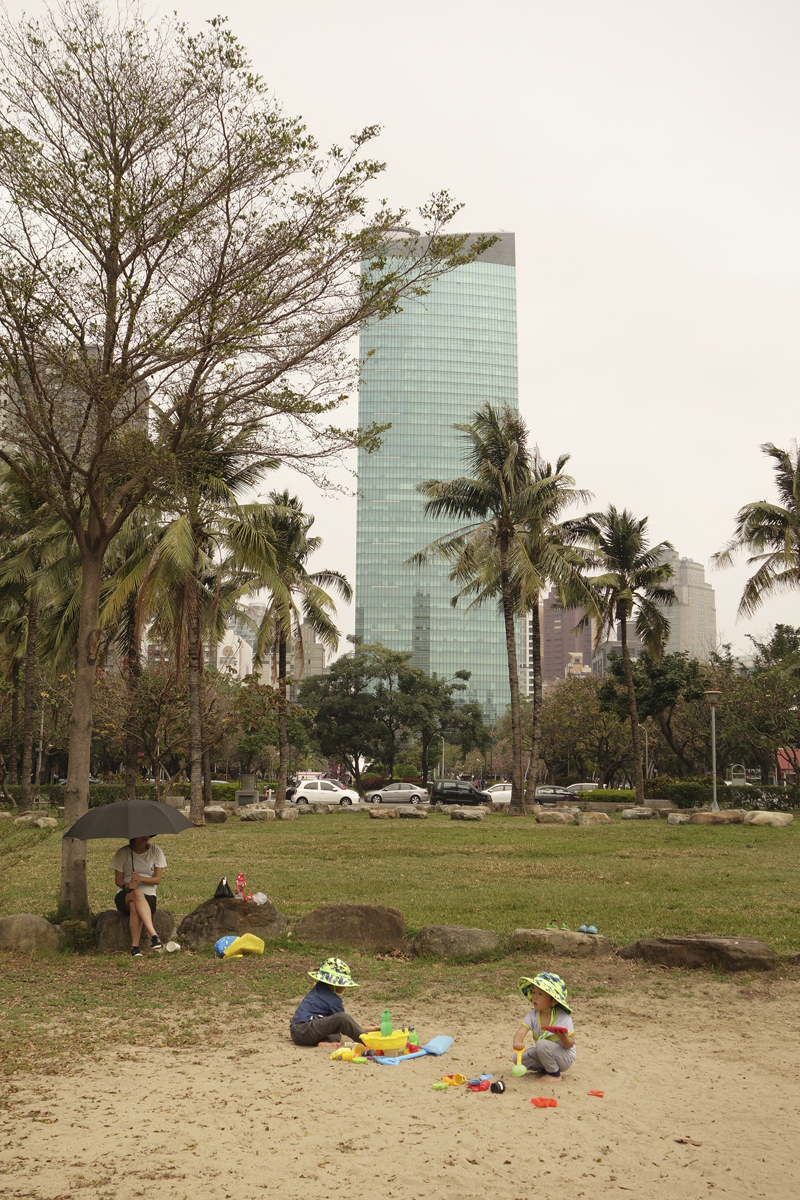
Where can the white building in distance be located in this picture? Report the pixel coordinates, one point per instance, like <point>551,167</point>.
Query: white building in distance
<point>693,620</point>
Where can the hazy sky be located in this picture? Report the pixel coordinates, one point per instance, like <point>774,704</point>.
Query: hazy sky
<point>647,156</point>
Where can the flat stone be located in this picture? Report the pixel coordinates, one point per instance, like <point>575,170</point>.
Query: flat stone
<point>678,818</point>
<point>777,819</point>
<point>114,931</point>
<point>564,941</point>
<point>727,953</point>
<point>410,812</point>
<point>593,818</point>
<point>379,812</point>
<point>45,823</point>
<point>315,810</point>
<point>640,813</point>
<point>216,917</point>
<point>557,818</point>
<point>455,941</point>
<point>257,814</point>
<point>728,816</point>
<point>468,814</point>
<point>29,934</point>
<point>215,814</point>
<point>286,814</point>
<point>5,816</point>
<point>362,926</point>
<point>25,819</point>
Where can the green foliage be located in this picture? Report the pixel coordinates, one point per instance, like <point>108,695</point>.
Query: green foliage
<point>682,793</point>
<point>620,795</point>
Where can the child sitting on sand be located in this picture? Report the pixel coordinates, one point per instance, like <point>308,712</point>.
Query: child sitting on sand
<point>320,1018</point>
<point>553,1050</point>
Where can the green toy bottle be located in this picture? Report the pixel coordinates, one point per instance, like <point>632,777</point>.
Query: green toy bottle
<point>386,1024</point>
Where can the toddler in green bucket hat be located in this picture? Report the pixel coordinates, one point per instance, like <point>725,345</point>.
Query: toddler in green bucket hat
<point>550,1023</point>
<point>320,1019</point>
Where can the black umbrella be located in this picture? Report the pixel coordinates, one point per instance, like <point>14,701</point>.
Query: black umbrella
<point>128,819</point>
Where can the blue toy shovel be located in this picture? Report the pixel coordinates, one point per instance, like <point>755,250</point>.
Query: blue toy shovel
<point>435,1046</point>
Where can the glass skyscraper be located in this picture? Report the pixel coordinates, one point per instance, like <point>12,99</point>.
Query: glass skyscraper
<point>425,369</point>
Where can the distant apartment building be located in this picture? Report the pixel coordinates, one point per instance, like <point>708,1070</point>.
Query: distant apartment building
<point>565,649</point>
<point>313,662</point>
<point>602,655</point>
<point>693,620</point>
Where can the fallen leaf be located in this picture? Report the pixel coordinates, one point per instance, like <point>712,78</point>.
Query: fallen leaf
<point>687,1141</point>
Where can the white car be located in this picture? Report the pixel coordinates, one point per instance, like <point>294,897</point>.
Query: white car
<point>500,793</point>
<point>324,791</point>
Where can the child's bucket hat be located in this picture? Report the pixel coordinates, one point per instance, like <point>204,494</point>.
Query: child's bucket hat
<point>335,972</point>
<point>553,985</point>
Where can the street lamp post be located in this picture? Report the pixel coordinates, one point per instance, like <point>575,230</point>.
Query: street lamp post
<point>713,699</point>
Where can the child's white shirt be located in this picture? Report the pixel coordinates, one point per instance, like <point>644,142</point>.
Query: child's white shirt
<point>556,1016</point>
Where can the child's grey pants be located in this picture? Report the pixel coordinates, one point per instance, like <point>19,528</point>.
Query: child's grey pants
<point>548,1056</point>
<point>324,1029</point>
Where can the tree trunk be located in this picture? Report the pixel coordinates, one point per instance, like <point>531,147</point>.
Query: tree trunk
<point>13,762</point>
<point>536,723</point>
<point>425,745</point>
<point>132,674</point>
<point>517,806</point>
<point>637,749</point>
<point>27,708</point>
<point>283,737</point>
<point>207,794</point>
<point>194,676</point>
<point>74,892</point>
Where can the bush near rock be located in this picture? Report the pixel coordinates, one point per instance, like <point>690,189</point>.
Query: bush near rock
<point>593,818</point>
<point>455,941</point>
<point>362,926</point>
<point>777,819</point>
<point>114,932</point>
<point>216,917</point>
<point>379,813</point>
<point>727,953</point>
<point>215,815</point>
<point>728,816</point>
<point>468,814</point>
<point>639,814</point>
<point>563,941</point>
<point>29,934</point>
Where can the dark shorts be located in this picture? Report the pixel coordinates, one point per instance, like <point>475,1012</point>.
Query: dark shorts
<point>119,901</point>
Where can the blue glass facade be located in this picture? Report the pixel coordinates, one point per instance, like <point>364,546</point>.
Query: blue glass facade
<point>423,370</point>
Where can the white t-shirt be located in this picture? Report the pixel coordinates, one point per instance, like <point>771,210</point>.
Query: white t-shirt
<point>126,860</point>
<point>559,1017</point>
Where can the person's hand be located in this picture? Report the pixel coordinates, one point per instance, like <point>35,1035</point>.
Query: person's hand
<point>519,1043</point>
<point>134,877</point>
<point>372,1029</point>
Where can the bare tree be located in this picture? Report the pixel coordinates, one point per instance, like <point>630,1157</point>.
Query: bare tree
<point>175,252</point>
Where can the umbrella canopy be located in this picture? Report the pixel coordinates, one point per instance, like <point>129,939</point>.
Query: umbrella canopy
<point>128,819</point>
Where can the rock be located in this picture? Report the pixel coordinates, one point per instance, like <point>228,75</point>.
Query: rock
<point>45,823</point>
<point>563,941</point>
<point>5,816</point>
<point>455,941</point>
<point>593,818</point>
<point>728,816</point>
<point>467,814</point>
<point>640,813</point>
<point>379,813</point>
<point>777,819</point>
<point>214,918</point>
<point>304,810</point>
<point>557,818</point>
<point>29,934</point>
<point>411,813</point>
<point>215,815</point>
<point>257,814</point>
<point>286,814</point>
<point>362,926</point>
<point>678,818</point>
<point>25,819</point>
<point>114,932</point>
<point>60,811</point>
<point>794,958</point>
<point>727,953</point>
<point>174,801</point>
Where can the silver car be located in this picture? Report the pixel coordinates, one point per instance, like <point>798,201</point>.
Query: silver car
<point>399,793</point>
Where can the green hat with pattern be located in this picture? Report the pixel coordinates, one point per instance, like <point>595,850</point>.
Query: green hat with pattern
<point>335,972</point>
<point>553,985</point>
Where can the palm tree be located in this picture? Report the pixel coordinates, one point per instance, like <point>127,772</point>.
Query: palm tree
<point>272,545</point>
<point>633,580</point>
<point>771,534</point>
<point>490,502</point>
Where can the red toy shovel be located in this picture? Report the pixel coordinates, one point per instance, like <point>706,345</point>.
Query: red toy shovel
<point>544,1102</point>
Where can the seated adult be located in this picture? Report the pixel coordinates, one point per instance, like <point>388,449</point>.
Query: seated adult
<point>137,871</point>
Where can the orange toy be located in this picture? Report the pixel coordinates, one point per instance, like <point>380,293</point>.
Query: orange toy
<point>544,1102</point>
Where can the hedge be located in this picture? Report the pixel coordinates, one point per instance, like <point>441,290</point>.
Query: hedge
<point>694,793</point>
<point>101,794</point>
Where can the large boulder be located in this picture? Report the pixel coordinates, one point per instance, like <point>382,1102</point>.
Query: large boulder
<point>593,818</point>
<point>45,823</point>
<point>286,814</point>
<point>455,941</point>
<point>114,931</point>
<point>5,816</point>
<point>468,814</point>
<point>727,953</point>
<point>257,814</point>
<point>381,813</point>
<point>314,810</point>
<point>555,818</point>
<point>28,933</point>
<point>25,820</point>
<point>362,926</point>
<point>215,814</point>
<point>727,816</point>
<point>641,813</point>
<point>563,941</point>
<point>410,812</point>
<point>678,818</point>
<point>777,819</point>
<point>216,917</point>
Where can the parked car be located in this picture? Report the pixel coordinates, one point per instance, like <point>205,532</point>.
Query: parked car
<point>500,793</point>
<point>457,791</point>
<point>575,789</point>
<point>399,793</point>
<point>322,791</point>
<point>551,792</point>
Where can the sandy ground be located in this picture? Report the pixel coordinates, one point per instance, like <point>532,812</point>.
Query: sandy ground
<point>261,1117</point>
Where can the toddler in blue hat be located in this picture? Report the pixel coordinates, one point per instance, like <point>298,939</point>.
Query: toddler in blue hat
<point>550,1023</point>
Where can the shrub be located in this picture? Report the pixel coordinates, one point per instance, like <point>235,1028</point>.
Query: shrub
<point>373,781</point>
<point>682,793</point>
<point>613,795</point>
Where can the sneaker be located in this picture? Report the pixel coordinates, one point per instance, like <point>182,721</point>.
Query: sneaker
<point>136,952</point>
<point>155,942</point>
<point>583,929</point>
<point>592,929</point>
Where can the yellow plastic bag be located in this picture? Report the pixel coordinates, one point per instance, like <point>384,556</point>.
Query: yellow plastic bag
<point>248,943</point>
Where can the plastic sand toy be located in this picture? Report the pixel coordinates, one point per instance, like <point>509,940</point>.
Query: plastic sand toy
<point>396,1041</point>
<point>519,1067</point>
